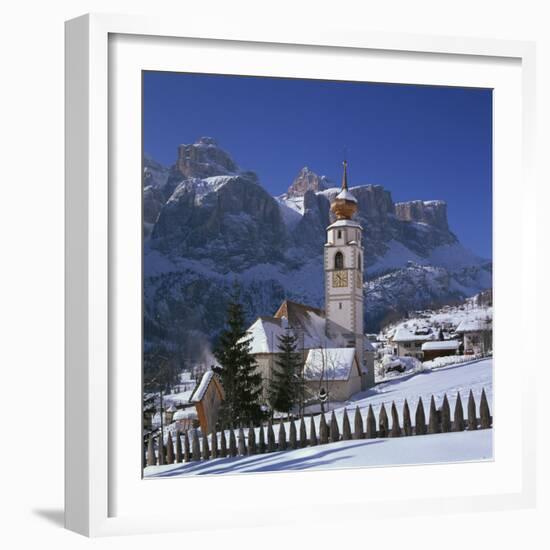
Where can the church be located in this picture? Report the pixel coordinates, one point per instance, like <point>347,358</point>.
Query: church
<point>338,359</point>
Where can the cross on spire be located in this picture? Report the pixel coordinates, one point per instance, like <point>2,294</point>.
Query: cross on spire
<point>345,176</point>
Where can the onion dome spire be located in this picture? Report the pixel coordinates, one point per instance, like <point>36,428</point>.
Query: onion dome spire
<point>344,205</point>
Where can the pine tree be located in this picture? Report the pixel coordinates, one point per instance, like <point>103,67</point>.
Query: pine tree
<point>420,419</point>
<point>284,390</point>
<point>241,381</point>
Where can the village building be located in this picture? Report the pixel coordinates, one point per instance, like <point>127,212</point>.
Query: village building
<point>439,348</point>
<point>333,371</point>
<point>207,398</point>
<point>408,342</point>
<point>477,335</point>
<point>323,334</point>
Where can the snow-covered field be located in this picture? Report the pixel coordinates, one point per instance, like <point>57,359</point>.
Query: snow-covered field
<point>422,449</point>
<point>450,447</point>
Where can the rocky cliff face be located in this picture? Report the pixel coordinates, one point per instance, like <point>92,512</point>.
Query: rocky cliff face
<point>307,180</point>
<point>433,213</point>
<point>209,224</point>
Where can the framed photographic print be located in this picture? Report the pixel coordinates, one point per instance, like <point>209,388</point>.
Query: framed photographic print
<point>289,270</point>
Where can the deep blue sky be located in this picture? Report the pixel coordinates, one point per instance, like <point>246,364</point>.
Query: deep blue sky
<point>419,142</point>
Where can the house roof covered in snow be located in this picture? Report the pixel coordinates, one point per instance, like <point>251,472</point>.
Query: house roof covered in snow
<point>329,363</point>
<point>440,345</point>
<point>474,325</point>
<point>200,391</point>
<point>403,334</point>
<point>185,414</point>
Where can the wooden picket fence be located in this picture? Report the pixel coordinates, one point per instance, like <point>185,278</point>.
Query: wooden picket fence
<point>188,446</point>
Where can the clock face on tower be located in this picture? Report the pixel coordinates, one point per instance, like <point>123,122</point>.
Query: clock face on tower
<point>339,279</point>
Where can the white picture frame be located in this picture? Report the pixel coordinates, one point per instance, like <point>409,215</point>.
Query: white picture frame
<point>95,223</point>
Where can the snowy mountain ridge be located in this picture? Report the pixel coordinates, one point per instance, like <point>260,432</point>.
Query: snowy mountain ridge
<point>207,224</point>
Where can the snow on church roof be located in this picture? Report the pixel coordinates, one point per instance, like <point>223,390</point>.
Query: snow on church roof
<point>329,363</point>
<point>264,333</point>
<point>346,195</point>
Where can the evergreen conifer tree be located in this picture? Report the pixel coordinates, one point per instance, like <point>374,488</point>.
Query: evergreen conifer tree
<point>284,390</point>
<point>241,382</point>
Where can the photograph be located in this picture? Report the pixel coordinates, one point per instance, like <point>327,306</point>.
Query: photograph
<point>317,282</point>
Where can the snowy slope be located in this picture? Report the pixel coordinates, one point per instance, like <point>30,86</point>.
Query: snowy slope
<point>475,376</point>
<point>426,449</point>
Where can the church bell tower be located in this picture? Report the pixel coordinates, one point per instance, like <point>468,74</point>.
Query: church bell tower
<point>344,271</point>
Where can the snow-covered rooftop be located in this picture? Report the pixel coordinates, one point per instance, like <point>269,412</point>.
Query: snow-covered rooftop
<point>474,325</point>
<point>342,223</point>
<point>329,363</point>
<point>440,344</point>
<point>185,414</point>
<point>198,394</point>
<point>265,333</point>
<point>403,334</point>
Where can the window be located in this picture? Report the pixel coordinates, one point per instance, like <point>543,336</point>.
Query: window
<point>339,234</point>
<point>359,260</point>
<point>338,261</point>
<point>339,305</point>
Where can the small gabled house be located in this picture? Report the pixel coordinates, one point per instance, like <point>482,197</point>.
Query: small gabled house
<point>477,335</point>
<point>407,342</point>
<point>207,398</point>
<point>439,348</point>
<point>334,371</point>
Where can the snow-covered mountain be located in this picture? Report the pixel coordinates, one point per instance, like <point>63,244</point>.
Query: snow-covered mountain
<point>208,224</point>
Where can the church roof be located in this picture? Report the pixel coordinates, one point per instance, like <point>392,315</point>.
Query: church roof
<point>296,313</point>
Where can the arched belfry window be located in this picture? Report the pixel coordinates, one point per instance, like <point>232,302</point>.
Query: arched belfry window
<point>338,261</point>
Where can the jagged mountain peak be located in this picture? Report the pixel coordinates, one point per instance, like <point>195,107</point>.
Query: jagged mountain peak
<point>203,159</point>
<point>307,180</point>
